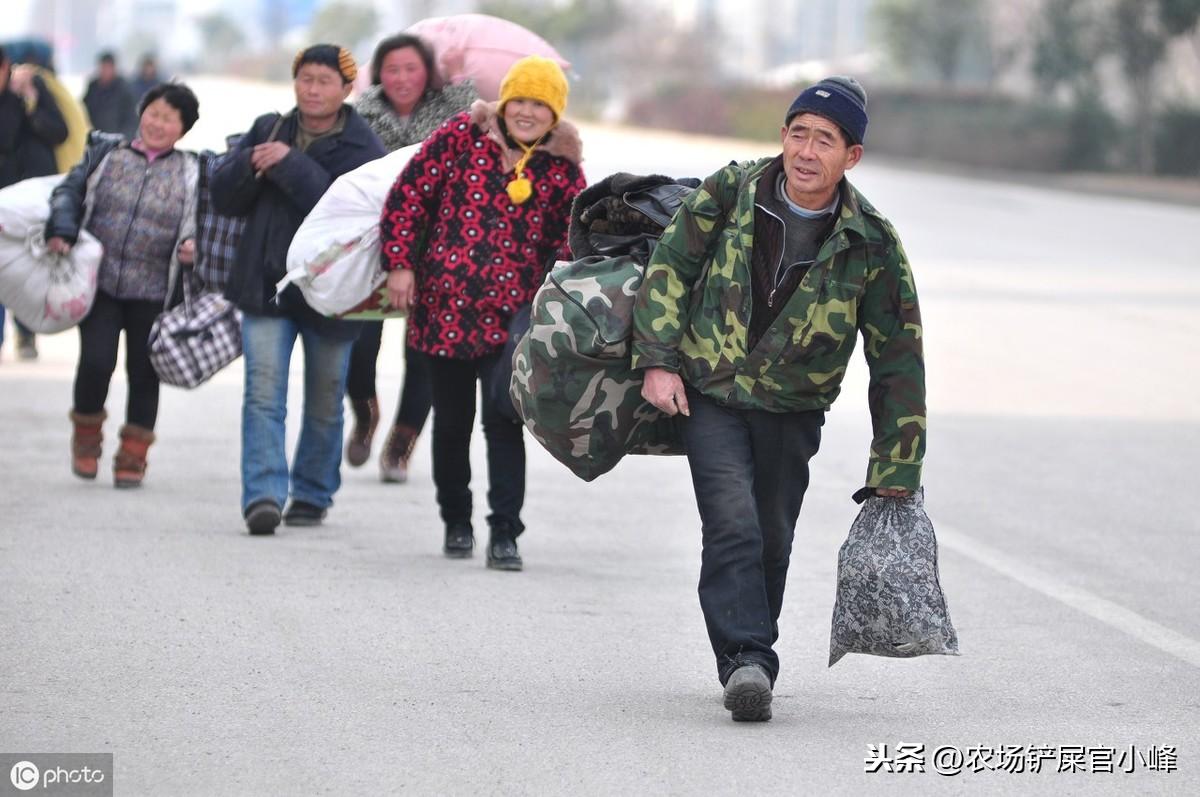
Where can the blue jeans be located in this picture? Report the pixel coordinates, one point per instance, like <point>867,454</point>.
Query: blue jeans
<point>750,471</point>
<point>315,476</point>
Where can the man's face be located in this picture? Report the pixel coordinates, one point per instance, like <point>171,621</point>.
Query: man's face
<point>320,91</point>
<point>815,156</point>
<point>107,72</point>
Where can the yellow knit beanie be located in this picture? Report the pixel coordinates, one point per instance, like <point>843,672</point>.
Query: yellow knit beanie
<point>536,78</point>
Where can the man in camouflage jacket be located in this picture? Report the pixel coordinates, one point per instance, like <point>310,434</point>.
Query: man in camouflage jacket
<point>745,324</point>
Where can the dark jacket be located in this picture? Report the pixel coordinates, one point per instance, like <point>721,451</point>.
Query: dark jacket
<point>67,202</point>
<point>112,108</point>
<point>27,140</point>
<point>625,214</point>
<point>140,85</point>
<point>275,205</point>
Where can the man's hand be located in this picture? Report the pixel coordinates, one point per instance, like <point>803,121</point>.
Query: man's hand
<point>664,389</point>
<point>58,246</point>
<point>187,251</point>
<point>265,156</point>
<point>891,492</point>
<point>402,289</point>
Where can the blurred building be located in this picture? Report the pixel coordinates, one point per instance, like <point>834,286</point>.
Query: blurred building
<point>770,40</point>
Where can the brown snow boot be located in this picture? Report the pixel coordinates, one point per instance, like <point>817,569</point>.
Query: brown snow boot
<point>393,460</point>
<point>129,465</point>
<point>85,443</point>
<point>366,419</point>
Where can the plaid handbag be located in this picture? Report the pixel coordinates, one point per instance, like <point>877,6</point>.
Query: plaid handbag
<point>192,341</point>
<point>217,236</point>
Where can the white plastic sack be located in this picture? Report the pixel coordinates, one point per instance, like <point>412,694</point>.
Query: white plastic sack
<point>481,48</point>
<point>334,256</point>
<point>46,292</point>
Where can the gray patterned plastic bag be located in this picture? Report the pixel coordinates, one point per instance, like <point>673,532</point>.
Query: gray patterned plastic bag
<point>889,601</point>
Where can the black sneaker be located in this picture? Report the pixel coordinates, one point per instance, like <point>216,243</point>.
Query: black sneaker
<point>262,517</point>
<point>460,541</point>
<point>502,553</point>
<point>302,513</point>
<point>748,694</point>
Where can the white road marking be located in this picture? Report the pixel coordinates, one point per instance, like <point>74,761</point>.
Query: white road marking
<point>1102,609</point>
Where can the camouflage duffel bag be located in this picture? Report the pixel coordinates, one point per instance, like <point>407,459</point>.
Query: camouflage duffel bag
<point>571,381</point>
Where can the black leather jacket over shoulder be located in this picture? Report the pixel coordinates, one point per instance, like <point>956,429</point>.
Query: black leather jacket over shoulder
<point>67,201</point>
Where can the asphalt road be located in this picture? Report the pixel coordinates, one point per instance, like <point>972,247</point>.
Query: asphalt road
<point>1060,343</point>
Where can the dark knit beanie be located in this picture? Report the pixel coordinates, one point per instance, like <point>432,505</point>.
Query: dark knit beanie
<point>839,99</point>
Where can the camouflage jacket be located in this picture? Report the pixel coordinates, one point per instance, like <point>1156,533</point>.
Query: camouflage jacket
<point>693,313</point>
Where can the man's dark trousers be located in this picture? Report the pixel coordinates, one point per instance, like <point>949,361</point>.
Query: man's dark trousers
<point>750,471</point>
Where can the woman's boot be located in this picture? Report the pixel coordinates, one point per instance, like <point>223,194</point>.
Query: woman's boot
<point>393,460</point>
<point>85,443</point>
<point>129,465</point>
<point>366,419</point>
<point>502,552</point>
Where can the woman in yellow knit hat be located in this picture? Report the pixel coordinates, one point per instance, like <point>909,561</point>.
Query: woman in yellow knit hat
<point>469,230</point>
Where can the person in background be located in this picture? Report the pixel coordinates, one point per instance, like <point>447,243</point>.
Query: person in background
<point>273,177</point>
<point>403,107</point>
<point>750,343</point>
<point>147,76</point>
<point>31,126</point>
<point>139,199</point>
<point>111,104</point>
<point>467,234</point>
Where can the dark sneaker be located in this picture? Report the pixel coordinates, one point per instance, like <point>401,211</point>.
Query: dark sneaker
<point>262,517</point>
<point>302,513</point>
<point>502,553</point>
<point>748,694</point>
<point>460,541</point>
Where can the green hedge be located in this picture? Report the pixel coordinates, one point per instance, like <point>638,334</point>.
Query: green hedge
<point>973,128</point>
<point>1177,142</point>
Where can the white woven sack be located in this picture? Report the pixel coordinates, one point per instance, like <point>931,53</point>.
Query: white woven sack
<point>46,292</point>
<point>334,256</point>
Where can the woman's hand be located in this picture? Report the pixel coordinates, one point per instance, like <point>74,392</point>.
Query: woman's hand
<point>402,289</point>
<point>58,246</point>
<point>187,251</point>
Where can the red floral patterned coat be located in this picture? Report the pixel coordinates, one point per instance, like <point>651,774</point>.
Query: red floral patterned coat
<point>477,257</point>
